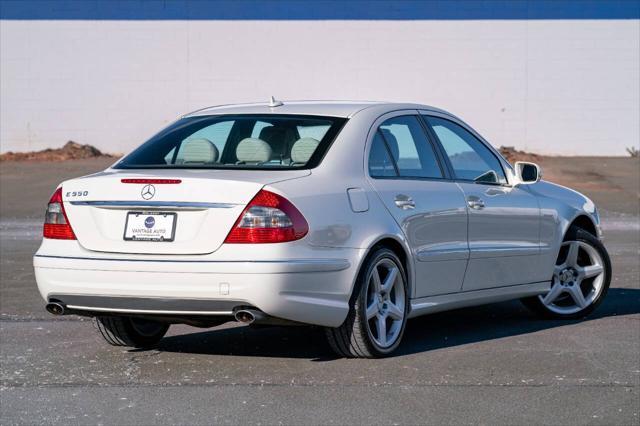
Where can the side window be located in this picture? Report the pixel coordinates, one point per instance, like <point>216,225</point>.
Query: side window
<point>380,164</point>
<point>471,160</point>
<point>411,150</point>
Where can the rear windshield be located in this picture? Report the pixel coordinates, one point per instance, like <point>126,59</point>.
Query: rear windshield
<point>238,142</point>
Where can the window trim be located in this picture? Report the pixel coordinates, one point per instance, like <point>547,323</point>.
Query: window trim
<point>411,113</point>
<point>425,118</point>
<point>437,148</point>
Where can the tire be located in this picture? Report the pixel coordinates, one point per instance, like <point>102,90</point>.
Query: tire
<point>359,337</point>
<point>596,287</point>
<point>127,331</point>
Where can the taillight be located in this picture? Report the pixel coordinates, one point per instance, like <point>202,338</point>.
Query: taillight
<point>268,218</point>
<point>56,224</point>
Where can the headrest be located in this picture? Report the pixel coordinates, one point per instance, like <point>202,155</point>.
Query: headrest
<point>303,149</point>
<point>392,141</point>
<point>199,151</point>
<point>269,133</point>
<point>253,150</point>
<point>379,156</point>
<point>279,138</point>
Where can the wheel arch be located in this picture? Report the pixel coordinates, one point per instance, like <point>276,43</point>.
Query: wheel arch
<point>566,220</point>
<point>399,247</point>
<point>583,221</point>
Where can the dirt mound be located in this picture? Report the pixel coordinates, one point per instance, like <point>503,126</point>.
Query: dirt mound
<point>70,151</point>
<point>512,155</point>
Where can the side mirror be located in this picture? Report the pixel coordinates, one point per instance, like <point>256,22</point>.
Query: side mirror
<point>528,173</point>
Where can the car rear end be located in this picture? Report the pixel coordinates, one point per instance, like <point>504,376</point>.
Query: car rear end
<point>195,227</point>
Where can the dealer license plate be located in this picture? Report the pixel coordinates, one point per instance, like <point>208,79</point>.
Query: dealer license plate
<point>150,226</point>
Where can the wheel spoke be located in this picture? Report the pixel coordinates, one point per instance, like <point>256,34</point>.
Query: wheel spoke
<point>590,271</point>
<point>372,310</point>
<point>375,277</point>
<point>556,290</point>
<point>576,293</point>
<point>572,254</point>
<point>390,280</point>
<point>394,311</point>
<point>381,326</point>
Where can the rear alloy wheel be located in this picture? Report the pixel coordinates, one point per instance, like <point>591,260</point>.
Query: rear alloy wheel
<point>580,279</point>
<point>378,314</point>
<point>129,331</point>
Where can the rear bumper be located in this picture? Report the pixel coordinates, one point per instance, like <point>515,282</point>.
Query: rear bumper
<point>314,291</point>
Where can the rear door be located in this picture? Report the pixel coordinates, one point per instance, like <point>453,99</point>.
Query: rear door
<point>407,174</point>
<point>504,220</point>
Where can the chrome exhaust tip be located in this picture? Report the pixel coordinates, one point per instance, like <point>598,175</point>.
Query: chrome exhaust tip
<point>244,316</point>
<point>55,308</point>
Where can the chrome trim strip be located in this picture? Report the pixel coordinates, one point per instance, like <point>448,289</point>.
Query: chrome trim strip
<point>156,305</point>
<point>441,255</point>
<point>482,252</point>
<point>155,204</point>
<point>141,311</point>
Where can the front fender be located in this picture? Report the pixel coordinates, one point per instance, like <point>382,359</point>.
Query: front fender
<point>559,208</point>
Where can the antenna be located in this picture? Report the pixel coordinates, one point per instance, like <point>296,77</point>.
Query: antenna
<point>274,103</point>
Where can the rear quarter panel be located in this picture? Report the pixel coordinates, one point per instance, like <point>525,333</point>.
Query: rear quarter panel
<point>323,200</point>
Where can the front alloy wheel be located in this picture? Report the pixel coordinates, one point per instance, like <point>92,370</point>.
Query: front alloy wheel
<point>378,310</point>
<point>580,281</point>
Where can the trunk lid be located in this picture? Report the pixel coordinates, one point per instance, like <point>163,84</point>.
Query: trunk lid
<point>207,204</point>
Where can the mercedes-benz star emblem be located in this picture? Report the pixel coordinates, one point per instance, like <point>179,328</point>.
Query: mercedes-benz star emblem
<point>148,191</point>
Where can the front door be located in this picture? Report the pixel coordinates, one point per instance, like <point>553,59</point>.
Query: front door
<point>410,180</point>
<point>504,221</point>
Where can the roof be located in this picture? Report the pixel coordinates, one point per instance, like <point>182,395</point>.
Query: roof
<point>326,108</point>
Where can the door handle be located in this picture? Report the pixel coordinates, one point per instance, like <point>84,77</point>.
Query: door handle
<point>404,202</point>
<point>475,203</point>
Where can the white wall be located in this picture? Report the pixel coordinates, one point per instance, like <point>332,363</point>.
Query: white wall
<point>559,87</point>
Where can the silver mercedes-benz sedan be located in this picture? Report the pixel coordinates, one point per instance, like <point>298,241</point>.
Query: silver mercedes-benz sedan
<point>353,216</point>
